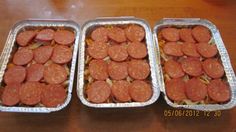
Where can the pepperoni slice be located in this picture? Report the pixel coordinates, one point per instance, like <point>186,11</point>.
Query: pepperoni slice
<point>135,33</point>
<point>213,68</point>
<point>137,50</point>
<point>140,91</point>
<point>120,90</point>
<point>45,35</point>
<point>35,72</point>
<point>201,34</point>
<point>54,74</point>
<point>190,49</point>
<point>53,95</point>
<point>170,34</point>
<point>117,70</point>
<point>117,34</point>
<point>196,90</point>
<point>173,69</point>
<point>25,37</point>
<point>98,92</point>
<point>218,91</point>
<point>10,94</point>
<point>64,37</point>
<point>118,52</point>
<point>138,69</point>
<point>43,54</point>
<point>98,50</point>
<point>100,34</point>
<point>61,54</point>
<point>175,89</point>
<point>23,56</point>
<point>30,93</point>
<point>98,69</point>
<point>15,74</point>
<point>207,50</point>
<point>172,48</point>
<point>185,35</point>
<point>192,66</point>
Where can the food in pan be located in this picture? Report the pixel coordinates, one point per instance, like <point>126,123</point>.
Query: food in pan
<point>192,68</point>
<point>116,65</point>
<point>38,73</point>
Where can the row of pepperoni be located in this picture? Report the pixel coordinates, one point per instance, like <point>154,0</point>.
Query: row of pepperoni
<point>194,67</point>
<point>122,91</point>
<point>33,93</point>
<point>191,35</point>
<point>134,33</point>
<point>195,90</point>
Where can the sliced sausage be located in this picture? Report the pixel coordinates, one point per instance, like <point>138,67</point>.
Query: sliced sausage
<point>98,50</point>
<point>172,48</point>
<point>138,69</point>
<point>201,34</point>
<point>190,49</point>
<point>35,72</point>
<point>137,50</point>
<point>135,33</point>
<point>175,89</point>
<point>117,70</point>
<point>170,34</point>
<point>140,91</point>
<point>218,91</point>
<point>54,74</point>
<point>98,92</point>
<point>15,74</point>
<point>120,90</point>
<point>207,50</point>
<point>53,95</point>
<point>213,68</point>
<point>61,54</point>
<point>98,69</point>
<point>173,69</point>
<point>118,52</point>
<point>25,37</point>
<point>23,56</point>
<point>192,66</point>
<point>42,54</point>
<point>196,90</point>
<point>45,35</point>
<point>30,93</point>
<point>117,34</point>
<point>64,37</point>
<point>100,34</point>
<point>10,94</point>
<point>185,35</point>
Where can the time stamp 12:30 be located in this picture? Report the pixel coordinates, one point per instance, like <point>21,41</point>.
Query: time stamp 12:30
<point>190,113</point>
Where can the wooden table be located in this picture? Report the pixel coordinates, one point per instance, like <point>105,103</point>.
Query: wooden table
<point>77,117</point>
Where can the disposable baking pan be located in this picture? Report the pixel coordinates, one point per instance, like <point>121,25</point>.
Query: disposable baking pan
<point>86,29</point>
<point>216,38</point>
<point>11,45</point>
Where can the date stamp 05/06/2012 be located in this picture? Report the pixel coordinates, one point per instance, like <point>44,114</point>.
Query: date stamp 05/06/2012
<point>190,113</point>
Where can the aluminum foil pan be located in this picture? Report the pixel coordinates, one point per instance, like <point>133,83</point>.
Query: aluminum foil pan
<point>87,27</point>
<point>11,45</point>
<point>185,22</point>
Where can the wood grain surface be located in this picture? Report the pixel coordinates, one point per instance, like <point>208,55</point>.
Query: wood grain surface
<point>79,118</point>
